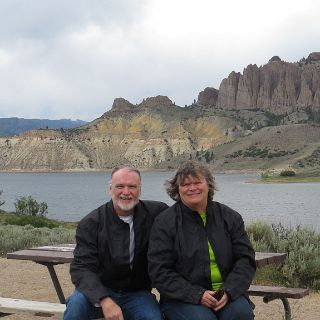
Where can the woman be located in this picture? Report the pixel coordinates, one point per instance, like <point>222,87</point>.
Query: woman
<point>197,247</point>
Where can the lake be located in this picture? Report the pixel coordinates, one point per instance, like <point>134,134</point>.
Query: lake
<point>70,196</point>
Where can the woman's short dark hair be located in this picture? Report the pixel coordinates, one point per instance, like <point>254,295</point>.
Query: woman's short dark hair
<point>194,169</point>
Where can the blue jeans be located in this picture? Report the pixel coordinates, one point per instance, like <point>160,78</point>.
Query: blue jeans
<point>136,305</point>
<point>240,309</point>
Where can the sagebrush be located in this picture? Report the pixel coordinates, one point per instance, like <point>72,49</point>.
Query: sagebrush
<point>14,237</point>
<point>302,245</point>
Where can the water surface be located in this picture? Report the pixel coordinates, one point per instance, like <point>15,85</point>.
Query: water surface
<point>70,196</point>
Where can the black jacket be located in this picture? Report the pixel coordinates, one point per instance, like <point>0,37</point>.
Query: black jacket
<point>101,256</point>
<point>179,262</point>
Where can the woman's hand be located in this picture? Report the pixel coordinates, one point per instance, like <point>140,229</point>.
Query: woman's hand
<point>209,301</point>
<point>222,302</point>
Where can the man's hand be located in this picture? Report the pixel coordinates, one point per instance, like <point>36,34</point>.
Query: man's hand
<point>110,309</point>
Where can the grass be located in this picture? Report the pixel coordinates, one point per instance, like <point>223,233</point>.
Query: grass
<point>14,237</point>
<point>295,179</point>
<point>22,231</point>
<point>311,176</point>
<point>12,218</point>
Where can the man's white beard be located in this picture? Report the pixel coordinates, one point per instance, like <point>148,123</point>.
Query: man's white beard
<point>126,207</point>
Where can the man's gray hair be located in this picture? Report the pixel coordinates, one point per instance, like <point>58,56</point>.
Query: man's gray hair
<point>128,168</point>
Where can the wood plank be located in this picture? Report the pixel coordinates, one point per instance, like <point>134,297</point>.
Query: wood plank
<point>60,248</point>
<point>64,254</point>
<point>42,256</point>
<point>266,258</point>
<point>278,292</point>
<point>9,305</point>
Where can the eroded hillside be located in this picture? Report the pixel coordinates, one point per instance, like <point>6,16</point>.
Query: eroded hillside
<point>267,117</point>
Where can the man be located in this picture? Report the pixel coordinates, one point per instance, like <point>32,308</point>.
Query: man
<point>109,269</point>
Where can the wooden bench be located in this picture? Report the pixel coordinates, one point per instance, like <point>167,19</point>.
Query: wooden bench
<point>270,293</point>
<point>10,306</point>
<point>37,308</point>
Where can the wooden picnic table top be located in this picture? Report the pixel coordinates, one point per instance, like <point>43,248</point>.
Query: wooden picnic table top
<point>60,254</point>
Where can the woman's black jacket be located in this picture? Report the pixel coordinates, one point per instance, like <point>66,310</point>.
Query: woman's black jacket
<point>179,263</point>
<point>101,257</point>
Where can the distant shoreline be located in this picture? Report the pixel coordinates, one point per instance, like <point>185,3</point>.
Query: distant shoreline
<point>276,179</point>
<point>215,171</point>
<point>290,180</point>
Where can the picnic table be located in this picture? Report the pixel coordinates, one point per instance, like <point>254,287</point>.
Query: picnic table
<point>50,256</point>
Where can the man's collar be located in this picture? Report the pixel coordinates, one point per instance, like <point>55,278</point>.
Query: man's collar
<point>137,208</point>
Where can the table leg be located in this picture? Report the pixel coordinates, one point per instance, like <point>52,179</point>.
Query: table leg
<point>2,314</point>
<point>55,281</point>
<point>286,306</point>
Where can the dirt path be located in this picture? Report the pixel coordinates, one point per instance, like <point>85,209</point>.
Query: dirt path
<point>28,280</point>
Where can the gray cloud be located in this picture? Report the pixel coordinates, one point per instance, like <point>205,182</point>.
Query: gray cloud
<point>72,58</point>
<point>44,19</point>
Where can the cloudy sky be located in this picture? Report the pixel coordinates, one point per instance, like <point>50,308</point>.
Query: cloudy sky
<point>72,58</point>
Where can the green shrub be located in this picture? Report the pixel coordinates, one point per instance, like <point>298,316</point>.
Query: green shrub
<point>14,238</point>
<point>2,202</point>
<point>287,173</point>
<point>30,206</point>
<point>302,245</point>
<point>260,232</point>
<point>254,152</point>
<point>265,175</point>
<point>302,267</point>
<point>35,221</point>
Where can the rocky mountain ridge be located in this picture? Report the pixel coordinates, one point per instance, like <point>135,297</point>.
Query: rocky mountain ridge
<point>249,123</point>
<point>121,105</point>
<point>278,87</point>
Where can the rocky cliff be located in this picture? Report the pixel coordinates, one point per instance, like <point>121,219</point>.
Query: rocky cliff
<point>148,138</point>
<point>278,87</point>
<point>121,106</point>
<point>267,117</point>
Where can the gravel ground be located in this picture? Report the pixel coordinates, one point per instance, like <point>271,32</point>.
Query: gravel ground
<point>28,280</point>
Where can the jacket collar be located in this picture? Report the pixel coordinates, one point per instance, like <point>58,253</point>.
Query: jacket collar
<point>139,212</point>
<point>187,210</point>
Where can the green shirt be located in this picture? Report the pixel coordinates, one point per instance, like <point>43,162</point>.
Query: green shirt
<point>216,278</point>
